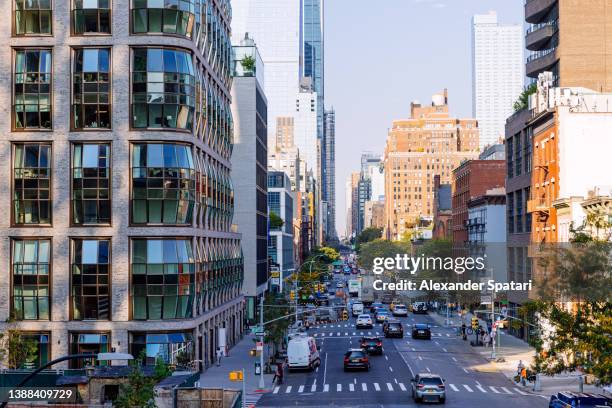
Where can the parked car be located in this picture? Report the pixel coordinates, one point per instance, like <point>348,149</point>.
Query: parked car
<point>302,353</point>
<point>356,358</point>
<point>372,344</point>
<point>400,310</point>
<point>428,387</point>
<point>568,399</point>
<point>364,321</point>
<point>419,307</point>
<point>421,331</point>
<point>393,328</point>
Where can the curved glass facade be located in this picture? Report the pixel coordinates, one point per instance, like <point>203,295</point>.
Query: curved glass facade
<point>163,279</point>
<point>163,16</point>
<point>163,88</point>
<point>163,184</point>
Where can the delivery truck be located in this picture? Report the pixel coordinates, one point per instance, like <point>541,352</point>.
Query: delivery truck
<point>367,289</point>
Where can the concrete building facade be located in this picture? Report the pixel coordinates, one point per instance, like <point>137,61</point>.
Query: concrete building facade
<point>128,231</point>
<point>329,172</point>
<point>280,241</point>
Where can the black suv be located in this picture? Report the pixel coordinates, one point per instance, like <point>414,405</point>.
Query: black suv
<point>393,328</point>
<point>356,358</point>
<point>371,344</point>
<point>421,331</point>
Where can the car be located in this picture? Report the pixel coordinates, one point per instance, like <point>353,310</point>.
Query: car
<point>419,307</point>
<point>340,285</point>
<point>371,344</point>
<point>428,387</point>
<point>421,331</point>
<point>565,399</point>
<point>356,358</point>
<point>357,308</point>
<point>400,310</point>
<point>364,321</point>
<point>323,315</point>
<point>374,306</point>
<point>381,316</point>
<point>393,329</point>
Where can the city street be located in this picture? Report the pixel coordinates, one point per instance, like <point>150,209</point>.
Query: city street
<point>387,384</point>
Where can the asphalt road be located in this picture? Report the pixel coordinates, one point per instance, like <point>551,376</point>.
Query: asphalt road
<point>387,384</point>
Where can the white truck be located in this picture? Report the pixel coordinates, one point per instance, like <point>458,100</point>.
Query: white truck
<point>302,353</point>
<point>354,287</point>
<point>367,289</point>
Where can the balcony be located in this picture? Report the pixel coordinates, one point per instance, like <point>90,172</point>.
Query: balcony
<point>539,34</point>
<point>537,205</point>
<point>541,61</point>
<point>536,9</point>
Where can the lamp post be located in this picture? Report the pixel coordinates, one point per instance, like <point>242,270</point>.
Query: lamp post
<point>99,357</point>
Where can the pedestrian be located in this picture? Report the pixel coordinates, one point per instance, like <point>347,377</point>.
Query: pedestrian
<point>219,355</point>
<point>485,339</point>
<point>279,373</point>
<point>463,331</point>
<point>524,376</point>
<point>520,367</point>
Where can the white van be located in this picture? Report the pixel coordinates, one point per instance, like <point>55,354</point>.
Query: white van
<point>302,353</point>
<point>357,309</point>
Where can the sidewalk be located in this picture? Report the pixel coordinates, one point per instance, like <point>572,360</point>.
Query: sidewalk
<point>509,352</point>
<point>238,359</point>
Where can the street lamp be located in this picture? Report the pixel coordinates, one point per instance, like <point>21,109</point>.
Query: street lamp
<point>99,357</point>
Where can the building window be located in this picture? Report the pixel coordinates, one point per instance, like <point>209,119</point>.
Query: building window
<point>91,16</point>
<point>31,271</point>
<point>163,89</point>
<point>91,89</point>
<point>163,16</point>
<point>510,210</point>
<point>163,184</point>
<point>163,279</point>
<point>40,357</point>
<point>91,203</point>
<point>172,348</point>
<point>32,183</point>
<point>32,89</point>
<point>33,17</point>
<point>90,277</point>
<point>89,343</point>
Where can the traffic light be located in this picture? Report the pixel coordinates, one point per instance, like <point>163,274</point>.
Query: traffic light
<point>292,295</point>
<point>474,322</point>
<point>235,376</point>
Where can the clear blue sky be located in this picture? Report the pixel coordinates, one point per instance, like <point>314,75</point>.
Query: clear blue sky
<point>381,55</point>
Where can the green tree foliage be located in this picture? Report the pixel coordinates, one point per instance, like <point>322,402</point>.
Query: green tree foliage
<point>17,349</point>
<point>275,307</point>
<point>367,235</point>
<point>381,248</point>
<point>276,222</point>
<point>326,255</point>
<point>523,100</point>
<point>139,390</point>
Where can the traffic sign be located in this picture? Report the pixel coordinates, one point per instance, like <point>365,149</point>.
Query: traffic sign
<point>259,346</point>
<point>257,330</point>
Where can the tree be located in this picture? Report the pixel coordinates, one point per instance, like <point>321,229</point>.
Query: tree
<point>275,307</point>
<point>276,222</point>
<point>380,248</point>
<point>367,235</point>
<point>17,349</point>
<point>523,100</point>
<point>137,392</point>
<point>329,255</point>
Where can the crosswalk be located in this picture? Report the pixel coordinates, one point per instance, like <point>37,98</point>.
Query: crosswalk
<point>251,399</point>
<point>351,325</point>
<point>344,333</point>
<point>393,387</point>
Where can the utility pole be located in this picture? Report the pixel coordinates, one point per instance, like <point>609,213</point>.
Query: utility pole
<point>263,334</point>
<point>493,328</point>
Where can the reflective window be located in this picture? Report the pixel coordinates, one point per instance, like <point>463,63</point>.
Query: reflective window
<point>163,279</point>
<point>173,348</point>
<point>163,94</point>
<point>163,184</point>
<point>41,354</point>
<point>90,270</point>
<point>91,89</point>
<point>89,343</point>
<point>33,17</point>
<point>91,16</point>
<point>163,16</point>
<point>30,264</point>
<point>32,183</point>
<point>91,203</point>
<point>32,89</point>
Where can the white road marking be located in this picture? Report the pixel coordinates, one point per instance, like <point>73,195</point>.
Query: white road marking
<point>447,335</point>
<point>413,349</point>
<point>326,388</point>
<point>465,369</point>
<point>494,389</point>
<point>437,343</point>
<point>376,387</point>
<point>354,334</point>
<point>369,333</point>
<point>467,387</point>
<point>288,390</point>
<point>364,387</point>
<point>314,382</point>
<point>317,369</point>
<point>325,370</point>
<point>444,350</point>
<point>351,387</point>
<point>428,369</point>
<point>520,391</point>
<point>276,389</point>
<point>313,388</point>
<point>420,358</point>
<point>453,387</point>
<point>481,389</point>
<point>346,333</point>
<point>389,387</point>
<point>406,362</point>
<point>454,359</point>
<point>322,334</point>
<point>386,358</point>
<point>339,387</point>
<point>301,389</point>
<point>339,334</point>
<point>402,386</point>
<point>507,391</point>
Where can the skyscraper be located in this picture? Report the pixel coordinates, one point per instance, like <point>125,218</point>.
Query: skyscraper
<point>312,52</point>
<point>497,74</point>
<point>329,172</point>
<point>118,234</point>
